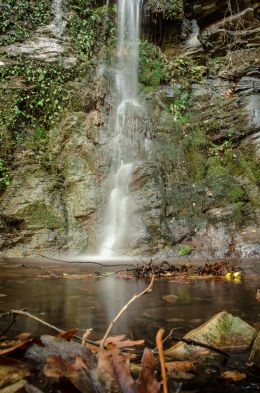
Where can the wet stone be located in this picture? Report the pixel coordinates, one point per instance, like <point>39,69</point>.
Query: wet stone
<point>222,331</point>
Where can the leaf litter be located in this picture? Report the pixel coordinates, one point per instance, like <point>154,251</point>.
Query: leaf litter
<point>63,363</point>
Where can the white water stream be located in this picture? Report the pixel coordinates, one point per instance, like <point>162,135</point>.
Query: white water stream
<point>58,22</point>
<point>120,206</point>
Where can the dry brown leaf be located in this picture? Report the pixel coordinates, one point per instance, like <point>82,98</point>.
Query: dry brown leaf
<point>8,346</point>
<point>147,383</point>
<point>76,373</point>
<point>118,341</point>
<point>67,335</point>
<point>58,367</point>
<point>235,376</point>
<point>180,366</point>
<point>23,336</point>
<point>170,298</point>
<point>114,370</point>
<point>12,372</point>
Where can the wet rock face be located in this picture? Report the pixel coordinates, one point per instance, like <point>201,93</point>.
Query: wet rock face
<point>199,183</point>
<point>45,46</point>
<point>77,157</point>
<point>33,214</point>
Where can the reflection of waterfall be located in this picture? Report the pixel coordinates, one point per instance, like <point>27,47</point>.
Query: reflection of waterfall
<point>126,125</point>
<point>58,23</point>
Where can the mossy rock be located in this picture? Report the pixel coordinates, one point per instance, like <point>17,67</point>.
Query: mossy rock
<point>222,331</point>
<point>41,215</point>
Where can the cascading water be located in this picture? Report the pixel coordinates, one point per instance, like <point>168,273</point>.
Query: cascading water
<point>58,22</point>
<point>126,126</point>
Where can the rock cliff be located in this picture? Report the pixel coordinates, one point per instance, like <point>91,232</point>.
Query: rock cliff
<point>196,191</point>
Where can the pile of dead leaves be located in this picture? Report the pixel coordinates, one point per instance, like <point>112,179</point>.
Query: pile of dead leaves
<point>60,363</point>
<point>217,268</point>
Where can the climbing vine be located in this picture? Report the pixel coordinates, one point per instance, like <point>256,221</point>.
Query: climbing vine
<point>91,27</point>
<point>170,9</point>
<point>19,17</point>
<point>41,97</point>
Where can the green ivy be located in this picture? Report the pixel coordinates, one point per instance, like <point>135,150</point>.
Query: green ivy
<point>183,70</point>
<point>186,250</point>
<point>171,9</point>
<point>5,174</point>
<point>91,28</point>
<point>41,101</point>
<point>151,66</point>
<point>19,17</point>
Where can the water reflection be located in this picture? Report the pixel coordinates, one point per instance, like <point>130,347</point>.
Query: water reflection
<point>85,303</point>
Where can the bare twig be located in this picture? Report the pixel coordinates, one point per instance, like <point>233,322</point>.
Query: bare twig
<point>198,344</point>
<point>85,336</point>
<point>9,326</point>
<point>86,262</point>
<point>42,268</point>
<point>159,344</point>
<point>42,322</point>
<point>27,314</point>
<point>135,297</point>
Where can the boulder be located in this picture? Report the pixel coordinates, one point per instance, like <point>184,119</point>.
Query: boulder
<point>222,331</point>
<point>179,229</point>
<point>247,243</point>
<point>214,240</point>
<point>43,47</point>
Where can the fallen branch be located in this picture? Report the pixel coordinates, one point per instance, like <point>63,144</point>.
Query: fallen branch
<point>86,262</point>
<point>198,344</point>
<point>50,274</point>
<point>9,326</point>
<point>42,322</point>
<point>159,344</point>
<point>135,297</point>
<point>27,314</point>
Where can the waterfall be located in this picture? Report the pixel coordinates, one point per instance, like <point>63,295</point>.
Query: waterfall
<point>58,23</point>
<point>126,130</point>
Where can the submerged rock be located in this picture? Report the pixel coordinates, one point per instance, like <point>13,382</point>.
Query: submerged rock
<point>222,331</point>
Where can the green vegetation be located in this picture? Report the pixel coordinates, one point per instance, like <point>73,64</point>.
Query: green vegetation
<point>19,17</point>
<point>39,100</point>
<point>200,174</point>
<point>171,9</point>
<point>186,250</point>
<point>5,175</point>
<point>151,66</point>
<point>183,70</point>
<point>45,216</point>
<point>91,27</point>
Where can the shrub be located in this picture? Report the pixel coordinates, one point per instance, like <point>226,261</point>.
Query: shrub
<point>151,66</point>
<point>171,9</point>
<point>19,17</point>
<point>183,70</point>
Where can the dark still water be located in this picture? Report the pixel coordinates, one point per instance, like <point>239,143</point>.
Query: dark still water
<point>84,302</point>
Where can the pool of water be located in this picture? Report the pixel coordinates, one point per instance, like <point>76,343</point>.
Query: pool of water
<point>84,302</point>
